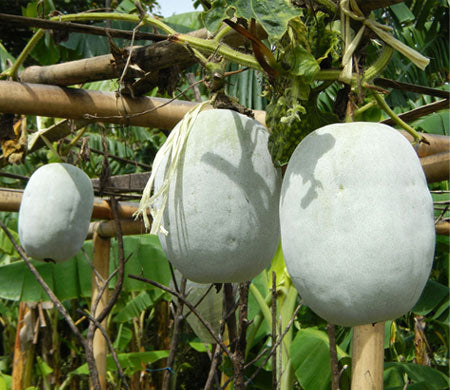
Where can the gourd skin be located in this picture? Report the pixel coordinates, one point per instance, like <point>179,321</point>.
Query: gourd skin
<point>357,225</point>
<point>222,211</point>
<point>55,212</point>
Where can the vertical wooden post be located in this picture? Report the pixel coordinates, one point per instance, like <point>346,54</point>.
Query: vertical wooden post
<point>368,357</point>
<point>101,264</point>
<point>23,349</point>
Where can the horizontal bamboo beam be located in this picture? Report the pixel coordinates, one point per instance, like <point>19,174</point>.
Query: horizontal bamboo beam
<point>153,57</point>
<point>107,229</point>
<point>10,201</point>
<point>74,103</point>
<point>436,167</point>
<point>443,228</point>
<point>80,104</point>
<point>436,144</point>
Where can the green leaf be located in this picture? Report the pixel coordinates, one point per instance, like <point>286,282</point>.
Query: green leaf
<point>263,11</point>
<point>186,22</point>
<point>431,297</point>
<point>3,385</point>
<point>310,358</point>
<point>42,367</point>
<point>199,346</point>
<point>302,63</point>
<point>436,123</point>
<point>134,307</point>
<point>72,279</point>
<point>421,374</point>
<point>402,12</point>
<point>123,338</point>
<point>130,362</point>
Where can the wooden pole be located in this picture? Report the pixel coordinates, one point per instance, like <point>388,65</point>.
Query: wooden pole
<point>24,348</point>
<point>368,357</point>
<point>10,201</point>
<point>73,103</point>
<point>101,264</point>
<point>436,167</point>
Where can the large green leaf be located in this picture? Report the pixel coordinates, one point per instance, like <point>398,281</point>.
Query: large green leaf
<point>310,358</point>
<point>263,11</point>
<point>130,362</point>
<point>72,279</point>
<point>134,307</point>
<point>183,23</point>
<point>420,374</point>
<point>432,296</point>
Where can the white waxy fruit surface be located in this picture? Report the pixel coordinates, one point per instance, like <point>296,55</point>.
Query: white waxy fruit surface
<point>357,225</point>
<point>222,211</point>
<point>55,212</point>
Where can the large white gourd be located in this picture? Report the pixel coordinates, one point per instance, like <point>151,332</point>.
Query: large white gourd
<point>357,226</point>
<point>55,212</point>
<point>222,210</point>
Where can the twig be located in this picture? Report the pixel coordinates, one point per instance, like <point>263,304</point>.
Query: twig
<point>239,354</point>
<point>442,215</point>
<point>191,78</point>
<point>189,305</point>
<point>274,347</point>
<point>333,357</point>
<point>77,27</point>
<point>99,326</point>
<point>386,83</point>
<point>230,318</point>
<point>14,176</point>
<point>200,300</point>
<point>175,336</point>
<point>213,368</point>
<point>274,329</point>
<point>93,373</point>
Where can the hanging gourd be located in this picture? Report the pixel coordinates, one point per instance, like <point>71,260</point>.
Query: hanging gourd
<point>220,222</point>
<point>357,225</point>
<point>55,212</point>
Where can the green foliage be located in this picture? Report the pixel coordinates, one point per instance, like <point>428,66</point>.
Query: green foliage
<point>304,43</point>
<point>72,279</point>
<point>422,377</point>
<point>131,361</point>
<point>262,11</point>
<point>310,357</point>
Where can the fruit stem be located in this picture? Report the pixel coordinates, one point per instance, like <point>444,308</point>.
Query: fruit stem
<point>384,106</point>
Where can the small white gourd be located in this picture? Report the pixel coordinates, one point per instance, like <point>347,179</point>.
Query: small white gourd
<point>55,212</point>
<point>222,209</point>
<point>357,225</point>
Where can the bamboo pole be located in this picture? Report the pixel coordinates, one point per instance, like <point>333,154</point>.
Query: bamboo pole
<point>109,228</point>
<point>437,144</point>
<point>368,357</point>
<point>10,201</point>
<point>436,167</point>
<point>20,352</point>
<point>153,57</point>
<point>73,103</point>
<point>101,264</point>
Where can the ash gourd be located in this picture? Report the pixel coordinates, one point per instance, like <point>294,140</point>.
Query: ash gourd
<point>55,212</point>
<point>221,215</point>
<point>357,225</point>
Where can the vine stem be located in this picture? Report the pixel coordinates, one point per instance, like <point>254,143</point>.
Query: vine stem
<point>206,45</point>
<point>384,106</point>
